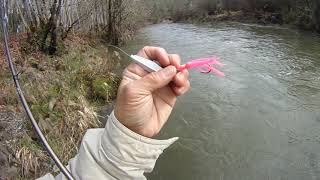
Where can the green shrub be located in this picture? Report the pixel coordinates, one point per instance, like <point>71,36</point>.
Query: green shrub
<point>105,87</point>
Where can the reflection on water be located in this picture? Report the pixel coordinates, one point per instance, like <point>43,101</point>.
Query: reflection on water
<point>262,121</point>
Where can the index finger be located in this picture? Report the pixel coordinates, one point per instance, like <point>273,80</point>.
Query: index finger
<point>155,53</point>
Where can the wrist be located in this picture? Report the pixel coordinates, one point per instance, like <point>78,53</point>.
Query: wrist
<point>125,121</point>
<point>135,125</point>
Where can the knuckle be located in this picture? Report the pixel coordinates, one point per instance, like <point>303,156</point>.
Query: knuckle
<point>179,80</point>
<point>175,60</point>
<point>146,48</point>
<point>183,77</point>
<point>176,56</point>
<point>161,49</point>
<point>154,77</point>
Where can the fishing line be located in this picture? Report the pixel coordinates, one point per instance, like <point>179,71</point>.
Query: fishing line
<point>116,47</point>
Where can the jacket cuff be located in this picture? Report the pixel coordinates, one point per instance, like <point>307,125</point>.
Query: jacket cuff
<point>130,149</point>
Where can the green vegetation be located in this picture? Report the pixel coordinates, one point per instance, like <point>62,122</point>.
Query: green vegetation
<point>104,87</point>
<point>64,93</point>
<point>304,14</point>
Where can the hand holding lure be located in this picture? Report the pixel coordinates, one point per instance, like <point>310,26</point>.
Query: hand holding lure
<point>204,65</point>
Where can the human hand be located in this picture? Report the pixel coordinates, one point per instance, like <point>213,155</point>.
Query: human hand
<point>145,100</point>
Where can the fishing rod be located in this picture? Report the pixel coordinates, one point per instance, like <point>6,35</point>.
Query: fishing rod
<point>15,76</point>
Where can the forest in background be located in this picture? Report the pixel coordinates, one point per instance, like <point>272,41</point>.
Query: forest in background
<point>304,14</point>
<point>49,21</point>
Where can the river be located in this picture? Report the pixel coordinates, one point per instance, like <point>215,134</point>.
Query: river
<point>261,121</point>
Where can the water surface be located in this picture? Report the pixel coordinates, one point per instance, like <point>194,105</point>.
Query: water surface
<point>262,121</point>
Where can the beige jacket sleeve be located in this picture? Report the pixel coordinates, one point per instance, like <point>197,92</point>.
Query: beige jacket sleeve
<point>114,152</point>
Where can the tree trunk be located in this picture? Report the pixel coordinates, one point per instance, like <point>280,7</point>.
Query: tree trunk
<point>26,25</point>
<point>27,11</point>
<point>43,10</point>
<point>110,19</point>
<point>316,15</point>
<point>53,42</point>
<point>49,25</point>
<point>114,19</point>
<point>40,13</point>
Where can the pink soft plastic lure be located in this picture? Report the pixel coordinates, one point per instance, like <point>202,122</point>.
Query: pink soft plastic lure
<point>204,65</point>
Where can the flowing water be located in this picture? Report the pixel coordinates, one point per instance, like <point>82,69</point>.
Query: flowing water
<point>261,121</point>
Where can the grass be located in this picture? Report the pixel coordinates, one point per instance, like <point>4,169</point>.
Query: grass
<point>64,93</point>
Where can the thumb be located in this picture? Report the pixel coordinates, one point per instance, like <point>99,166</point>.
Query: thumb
<point>157,80</point>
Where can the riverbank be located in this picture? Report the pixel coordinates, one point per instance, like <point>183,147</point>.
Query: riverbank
<point>64,92</point>
<point>241,16</point>
<point>260,17</point>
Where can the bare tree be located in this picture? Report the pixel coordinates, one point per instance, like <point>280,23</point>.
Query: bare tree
<point>51,28</point>
<point>316,14</point>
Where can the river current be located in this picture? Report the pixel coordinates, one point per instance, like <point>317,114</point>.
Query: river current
<point>261,121</point>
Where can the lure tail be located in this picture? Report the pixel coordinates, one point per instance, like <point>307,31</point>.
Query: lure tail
<point>204,65</point>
